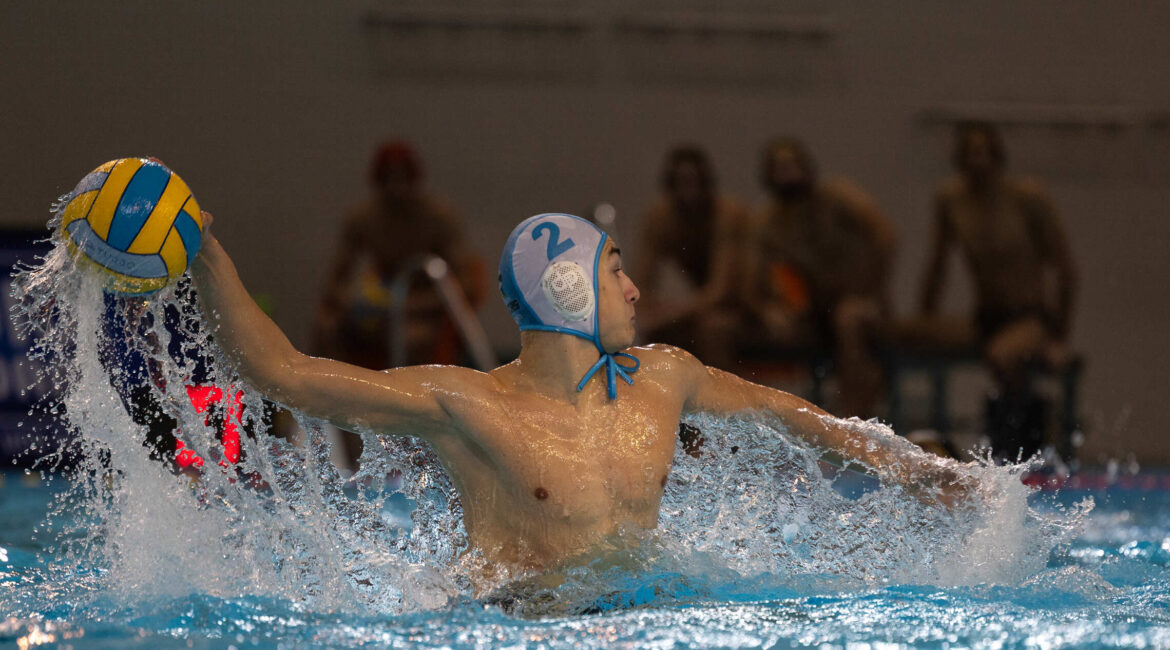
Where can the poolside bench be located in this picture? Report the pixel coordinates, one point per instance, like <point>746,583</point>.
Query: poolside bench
<point>901,358</point>
<point>938,363</point>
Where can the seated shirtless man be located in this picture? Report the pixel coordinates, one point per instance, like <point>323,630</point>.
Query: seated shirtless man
<point>1011,236</point>
<point>562,448</point>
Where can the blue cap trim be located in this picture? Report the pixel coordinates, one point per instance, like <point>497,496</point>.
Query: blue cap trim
<point>596,294</point>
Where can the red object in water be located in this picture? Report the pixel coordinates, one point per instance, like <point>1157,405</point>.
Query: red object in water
<point>202,398</point>
<point>184,457</point>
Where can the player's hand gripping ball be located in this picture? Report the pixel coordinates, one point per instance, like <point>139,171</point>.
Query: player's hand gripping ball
<point>135,222</point>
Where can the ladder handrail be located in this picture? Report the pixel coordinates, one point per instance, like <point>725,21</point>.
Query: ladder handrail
<point>436,269</point>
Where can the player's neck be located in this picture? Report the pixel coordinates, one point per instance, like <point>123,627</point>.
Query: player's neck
<point>555,363</point>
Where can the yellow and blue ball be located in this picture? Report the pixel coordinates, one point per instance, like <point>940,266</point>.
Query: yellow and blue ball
<point>136,222</point>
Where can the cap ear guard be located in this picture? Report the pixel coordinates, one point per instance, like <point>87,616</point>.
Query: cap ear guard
<point>568,289</point>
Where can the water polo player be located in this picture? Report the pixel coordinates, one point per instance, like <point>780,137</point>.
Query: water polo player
<point>569,444</point>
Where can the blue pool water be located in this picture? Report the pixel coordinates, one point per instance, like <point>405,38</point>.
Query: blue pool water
<point>1107,588</point>
<point>761,541</point>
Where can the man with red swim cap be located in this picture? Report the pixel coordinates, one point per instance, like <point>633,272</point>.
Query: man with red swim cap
<point>559,451</point>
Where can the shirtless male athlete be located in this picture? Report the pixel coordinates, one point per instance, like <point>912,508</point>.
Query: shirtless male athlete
<point>567,445</point>
<point>818,260</point>
<point>1010,234</point>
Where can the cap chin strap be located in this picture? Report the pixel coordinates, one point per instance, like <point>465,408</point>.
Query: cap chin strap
<point>613,369</point>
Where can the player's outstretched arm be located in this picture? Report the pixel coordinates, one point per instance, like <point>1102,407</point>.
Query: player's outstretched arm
<point>404,400</point>
<point>717,392</point>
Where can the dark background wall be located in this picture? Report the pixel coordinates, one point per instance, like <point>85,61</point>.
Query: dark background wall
<point>269,110</point>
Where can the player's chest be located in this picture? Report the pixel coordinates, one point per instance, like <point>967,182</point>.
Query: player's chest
<point>812,230</point>
<point>999,229</point>
<point>603,464</point>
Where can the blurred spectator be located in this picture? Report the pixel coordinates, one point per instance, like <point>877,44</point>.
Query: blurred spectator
<point>397,225</point>
<point>819,266</point>
<point>1010,235</point>
<point>691,235</point>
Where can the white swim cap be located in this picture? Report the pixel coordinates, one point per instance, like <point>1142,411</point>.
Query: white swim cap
<point>548,277</point>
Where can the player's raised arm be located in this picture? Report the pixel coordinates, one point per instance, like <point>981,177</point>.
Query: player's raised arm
<point>720,393</point>
<point>402,400</point>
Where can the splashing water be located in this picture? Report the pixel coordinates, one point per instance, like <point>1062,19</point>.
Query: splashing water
<point>277,523</point>
<point>757,513</point>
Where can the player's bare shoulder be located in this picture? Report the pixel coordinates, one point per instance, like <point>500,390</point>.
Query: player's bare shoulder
<point>844,190</point>
<point>453,384</point>
<point>462,394</point>
<point>654,354</point>
<point>1029,191</point>
<point>666,363</point>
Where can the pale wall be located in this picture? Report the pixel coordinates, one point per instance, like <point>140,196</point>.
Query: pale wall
<point>270,111</point>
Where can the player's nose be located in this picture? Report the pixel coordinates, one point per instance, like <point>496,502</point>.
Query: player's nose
<point>631,292</point>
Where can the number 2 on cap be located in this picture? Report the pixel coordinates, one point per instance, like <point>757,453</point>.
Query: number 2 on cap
<point>555,245</point>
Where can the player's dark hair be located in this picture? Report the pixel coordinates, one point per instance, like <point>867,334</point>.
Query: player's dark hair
<point>688,154</point>
<point>394,152</point>
<point>799,151</point>
<point>963,132</point>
